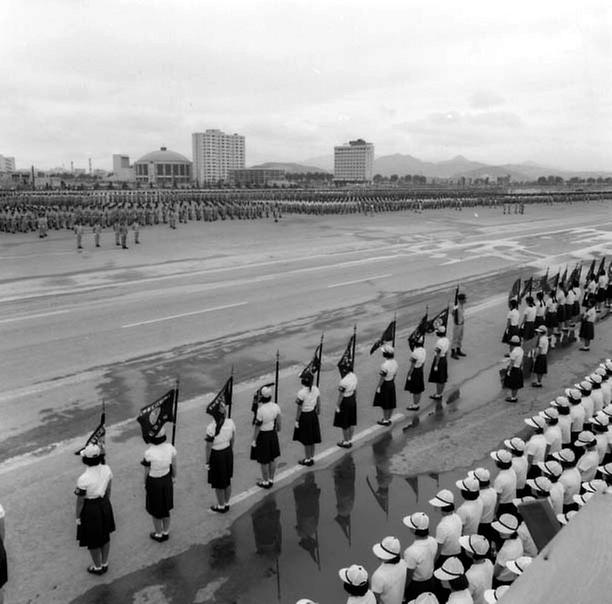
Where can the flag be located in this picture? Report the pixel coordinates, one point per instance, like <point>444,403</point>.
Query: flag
<point>315,364</point>
<point>591,271</point>
<point>387,336</point>
<point>515,291</point>
<point>456,295</point>
<point>418,333</point>
<point>347,362</point>
<point>152,417</point>
<point>440,319</point>
<point>257,397</point>
<point>554,282</point>
<point>97,436</point>
<point>602,267</point>
<point>575,276</point>
<point>544,282</point>
<point>563,280</point>
<point>224,397</point>
<point>527,287</point>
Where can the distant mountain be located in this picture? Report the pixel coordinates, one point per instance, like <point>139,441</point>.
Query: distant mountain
<point>325,162</point>
<point>289,167</point>
<point>407,164</point>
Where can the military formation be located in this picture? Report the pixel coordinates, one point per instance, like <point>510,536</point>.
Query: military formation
<point>41,212</point>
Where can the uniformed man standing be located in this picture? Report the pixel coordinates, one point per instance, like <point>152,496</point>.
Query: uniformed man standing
<point>78,229</point>
<point>123,232</point>
<point>97,229</point>
<point>458,322</point>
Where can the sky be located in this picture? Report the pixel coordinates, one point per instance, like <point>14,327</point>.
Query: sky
<point>498,82</point>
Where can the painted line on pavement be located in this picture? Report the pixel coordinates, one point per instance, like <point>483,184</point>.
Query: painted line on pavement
<point>289,472</point>
<point>185,314</point>
<point>36,316</point>
<point>359,280</point>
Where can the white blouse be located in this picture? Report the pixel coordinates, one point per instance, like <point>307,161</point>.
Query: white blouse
<point>266,416</point>
<point>443,345</point>
<point>158,459</point>
<point>388,369</point>
<point>307,398</point>
<point>418,356</point>
<point>93,482</point>
<point>513,317</point>
<point>224,438</point>
<point>348,384</point>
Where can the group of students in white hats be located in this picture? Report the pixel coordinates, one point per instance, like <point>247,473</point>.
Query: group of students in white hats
<point>481,543</point>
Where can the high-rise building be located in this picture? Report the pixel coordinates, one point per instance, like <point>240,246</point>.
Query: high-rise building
<point>214,154</point>
<point>122,170</point>
<point>7,164</point>
<point>354,161</point>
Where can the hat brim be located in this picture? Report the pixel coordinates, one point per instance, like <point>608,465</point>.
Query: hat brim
<point>342,573</point>
<point>533,485</point>
<point>383,554</point>
<point>408,522</point>
<point>513,567</point>
<point>502,529</point>
<point>442,575</point>
<point>439,503</point>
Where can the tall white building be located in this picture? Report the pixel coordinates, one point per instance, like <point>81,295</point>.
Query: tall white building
<point>122,170</point>
<point>354,161</point>
<point>215,154</point>
<point>7,164</point>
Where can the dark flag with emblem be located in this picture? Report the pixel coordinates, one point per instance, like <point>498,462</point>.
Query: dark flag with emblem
<point>515,291</point>
<point>152,417</point>
<point>315,364</point>
<point>575,276</point>
<point>387,336</point>
<point>347,360</point>
<point>602,267</point>
<point>591,271</point>
<point>563,280</point>
<point>440,319</point>
<point>97,436</point>
<point>224,397</point>
<point>418,333</point>
<point>527,289</point>
<point>257,398</point>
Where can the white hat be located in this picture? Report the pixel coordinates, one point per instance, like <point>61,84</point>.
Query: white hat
<point>519,565</point>
<point>266,392</point>
<point>354,575</point>
<point>387,549</point>
<point>550,413</point>
<point>595,486</point>
<point>387,349</point>
<point>475,544</point>
<point>542,329</point>
<point>565,455</point>
<point>540,483</point>
<point>601,372</point>
<point>425,598</point>
<point>305,601</point>
<point>492,596</point>
<point>515,340</point>
<point>573,394</point>
<point>451,569</point>
<point>535,422</point>
<point>419,521</point>
<point>520,500</point>
<point>442,499</point>
<point>585,439</point>
<point>594,378</point>
<point>565,518</point>
<point>552,468</point>
<point>440,329</point>
<point>502,456</point>
<point>515,444</point>
<point>506,524</point>
<point>585,386</point>
<point>608,410</point>
<point>582,499</point>
<point>468,484</point>
<point>606,469</point>
<point>601,419</point>
<point>91,451</point>
<point>481,474</point>
<point>560,401</point>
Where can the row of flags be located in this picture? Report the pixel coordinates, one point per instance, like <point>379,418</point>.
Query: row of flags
<point>152,417</point>
<point>545,284</point>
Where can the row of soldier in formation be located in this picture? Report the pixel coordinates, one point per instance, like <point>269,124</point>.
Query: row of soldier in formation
<point>482,542</point>
<point>27,213</point>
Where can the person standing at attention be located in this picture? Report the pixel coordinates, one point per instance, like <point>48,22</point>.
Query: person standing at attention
<point>415,384</point>
<point>438,374</point>
<point>458,324</point>
<point>345,416</point>
<point>307,430</point>
<point>385,396</point>
<point>220,435</point>
<point>265,448</point>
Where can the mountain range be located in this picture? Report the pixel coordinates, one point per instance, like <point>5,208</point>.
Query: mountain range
<point>456,167</point>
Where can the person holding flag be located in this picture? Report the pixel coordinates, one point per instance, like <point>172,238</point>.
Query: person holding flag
<point>345,416</point>
<point>385,396</point>
<point>415,384</point>
<point>307,430</point>
<point>220,436</point>
<point>512,323</point>
<point>458,323</point>
<point>438,374</point>
<point>587,325</point>
<point>265,448</point>
<point>602,285</point>
<point>159,462</point>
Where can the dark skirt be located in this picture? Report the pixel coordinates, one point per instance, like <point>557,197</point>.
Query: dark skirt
<point>266,447</point>
<point>569,312</point>
<point>3,566</point>
<point>576,308</point>
<point>539,320</point>
<point>514,379</point>
<point>609,292</point>
<point>439,375</point>
<point>347,416</point>
<point>513,330</point>
<point>587,330</point>
<point>540,365</point>
<point>97,523</point>
<point>600,295</point>
<point>160,495</point>
<point>551,320</point>
<point>415,383</point>
<point>221,468</point>
<point>561,313</point>
<point>386,399</point>
<point>309,432</point>
<point>528,330</point>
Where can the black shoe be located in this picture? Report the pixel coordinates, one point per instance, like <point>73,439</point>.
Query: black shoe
<point>461,353</point>
<point>156,537</point>
<point>92,570</point>
<point>220,509</point>
<point>511,399</point>
<point>413,407</point>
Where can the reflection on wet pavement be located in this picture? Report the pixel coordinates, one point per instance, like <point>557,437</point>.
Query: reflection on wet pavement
<point>292,543</point>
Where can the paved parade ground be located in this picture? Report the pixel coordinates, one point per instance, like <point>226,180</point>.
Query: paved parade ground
<point>80,327</point>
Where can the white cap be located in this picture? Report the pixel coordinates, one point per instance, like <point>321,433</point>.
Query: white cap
<point>354,575</point>
<point>387,349</point>
<point>565,518</point>
<point>91,451</point>
<point>305,601</point>
<point>585,438</point>
<point>481,474</point>
<point>515,444</point>
<point>266,392</point>
<point>419,521</point>
<point>595,486</point>
<point>451,569</point>
<point>442,499</point>
<point>492,596</point>
<point>519,565</point>
<point>476,544</point>
<point>425,598</point>
<point>387,549</point>
<point>535,422</point>
<point>552,468</point>
<point>468,484</point>
<point>506,524</point>
<point>540,483</point>
<point>502,456</point>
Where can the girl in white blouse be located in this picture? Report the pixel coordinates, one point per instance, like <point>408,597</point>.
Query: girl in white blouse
<point>220,435</point>
<point>307,429</point>
<point>385,396</point>
<point>265,448</point>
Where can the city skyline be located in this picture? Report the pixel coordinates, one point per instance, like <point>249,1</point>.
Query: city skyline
<point>298,78</point>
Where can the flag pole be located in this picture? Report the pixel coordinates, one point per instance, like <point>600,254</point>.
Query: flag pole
<point>231,393</point>
<point>176,395</point>
<point>276,371</point>
<point>320,360</point>
<point>354,343</point>
<point>394,327</point>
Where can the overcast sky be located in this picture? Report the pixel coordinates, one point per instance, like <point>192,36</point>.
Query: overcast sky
<point>496,82</point>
